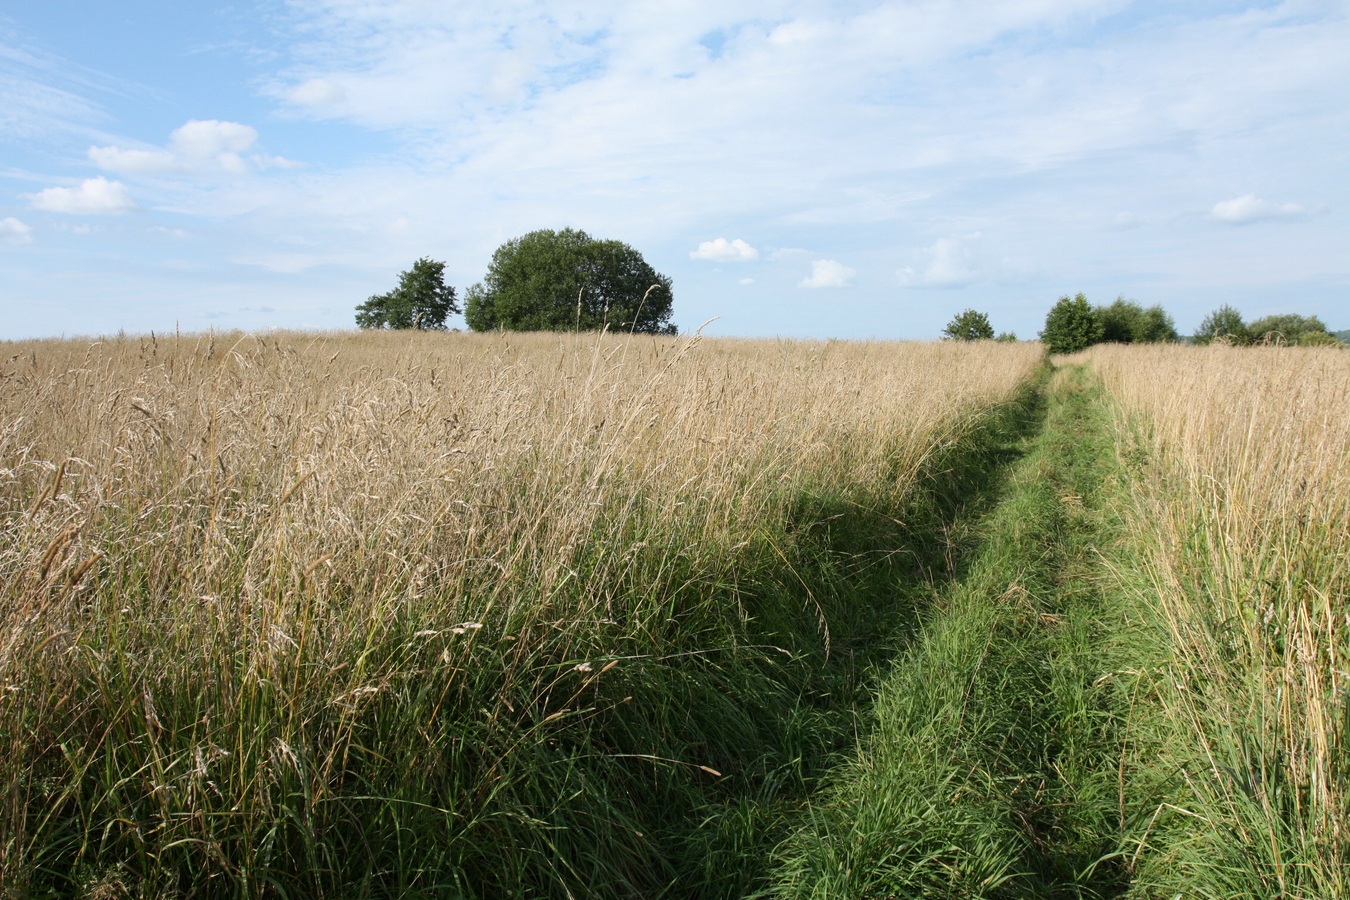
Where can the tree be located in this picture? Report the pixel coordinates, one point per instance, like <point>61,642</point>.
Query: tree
<point>1290,329</point>
<point>969,326</point>
<point>1224,324</point>
<point>1126,322</point>
<point>566,280</point>
<point>1071,325</point>
<point>422,300</point>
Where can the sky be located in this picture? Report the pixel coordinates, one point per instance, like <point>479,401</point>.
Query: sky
<point>798,168</point>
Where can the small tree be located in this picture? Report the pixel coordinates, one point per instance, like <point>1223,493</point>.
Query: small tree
<point>1071,325</point>
<point>566,280</point>
<point>969,326</point>
<point>422,300</point>
<point>1224,324</point>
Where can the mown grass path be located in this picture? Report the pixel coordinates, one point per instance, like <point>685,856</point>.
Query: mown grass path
<point>993,766</point>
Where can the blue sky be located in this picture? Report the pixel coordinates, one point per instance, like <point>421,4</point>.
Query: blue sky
<point>820,168</point>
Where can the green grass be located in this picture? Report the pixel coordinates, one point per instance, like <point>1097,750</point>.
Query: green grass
<point>991,766</point>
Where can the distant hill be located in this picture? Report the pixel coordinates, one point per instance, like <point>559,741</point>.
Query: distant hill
<point>1342,336</point>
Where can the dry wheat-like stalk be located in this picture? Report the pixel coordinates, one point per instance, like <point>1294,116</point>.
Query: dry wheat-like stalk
<point>271,534</point>
<point>1249,532</point>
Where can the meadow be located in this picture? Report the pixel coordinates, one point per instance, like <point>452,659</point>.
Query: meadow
<point>445,615</point>
<point>459,615</point>
<point>1242,524</point>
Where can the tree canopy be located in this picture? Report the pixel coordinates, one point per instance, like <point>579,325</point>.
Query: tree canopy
<point>566,280</point>
<point>422,300</point>
<point>969,326</point>
<point>1071,325</point>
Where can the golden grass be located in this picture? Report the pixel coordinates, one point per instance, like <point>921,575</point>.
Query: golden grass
<point>357,457</point>
<point>205,540</point>
<point>1248,532</point>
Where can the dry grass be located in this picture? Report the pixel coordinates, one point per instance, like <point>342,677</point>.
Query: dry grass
<point>1248,532</point>
<point>234,569</point>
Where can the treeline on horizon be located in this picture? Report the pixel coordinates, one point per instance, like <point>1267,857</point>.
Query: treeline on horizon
<point>569,281</point>
<point>1073,324</point>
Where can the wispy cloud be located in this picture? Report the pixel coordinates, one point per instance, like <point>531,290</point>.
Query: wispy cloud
<point>94,197</point>
<point>43,96</point>
<point>722,250</point>
<point>828,273</point>
<point>1249,208</point>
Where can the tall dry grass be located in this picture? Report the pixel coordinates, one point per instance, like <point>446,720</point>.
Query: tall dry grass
<point>277,607</point>
<point>1247,529</point>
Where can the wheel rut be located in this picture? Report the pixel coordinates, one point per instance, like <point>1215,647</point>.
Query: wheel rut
<point>992,765</point>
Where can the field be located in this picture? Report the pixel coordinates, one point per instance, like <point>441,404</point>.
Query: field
<point>393,615</point>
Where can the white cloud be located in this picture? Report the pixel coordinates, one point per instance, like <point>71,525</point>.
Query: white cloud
<point>94,197</point>
<point>947,263</point>
<point>198,146</point>
<point>746,281</point>
<point>827,273</point>
<point>12,231</point>
<point>1249,208</point>
<point>722,250</point>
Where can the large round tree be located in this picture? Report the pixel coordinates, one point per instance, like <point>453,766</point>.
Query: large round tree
<point>566,280</point>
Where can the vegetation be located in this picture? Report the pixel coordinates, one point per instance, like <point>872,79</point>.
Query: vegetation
<point>991,767</point>
<point>422,300</point>
<point>1071,325</point>
<point>568,281</point>
<point>969,326</point>
<point>1133,690</point>
<point>467,616</point>
<point>1225,325</point>
<point>1306,331</point>
<point>607,615</point>
<point>1242,502</point>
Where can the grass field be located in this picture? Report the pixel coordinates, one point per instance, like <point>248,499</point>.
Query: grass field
<point>391,615</point>
<point>1243,532</point>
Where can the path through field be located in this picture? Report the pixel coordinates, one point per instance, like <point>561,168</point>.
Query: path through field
<point>476,616</point>
<point>994,767</point>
